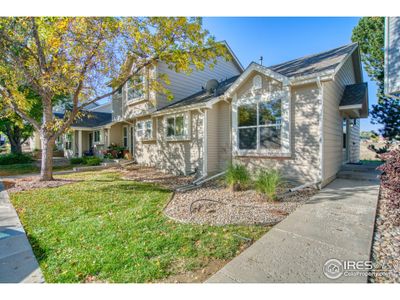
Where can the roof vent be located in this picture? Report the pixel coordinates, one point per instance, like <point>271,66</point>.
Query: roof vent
<point>211,86</point>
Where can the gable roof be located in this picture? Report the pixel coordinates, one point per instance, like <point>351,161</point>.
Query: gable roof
<point>90,119</point>
<point>326,61</point>
<point>202,96</point>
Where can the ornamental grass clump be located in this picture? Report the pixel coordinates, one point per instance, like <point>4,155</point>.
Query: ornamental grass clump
<point>267,183</point>
<point>237,177</point>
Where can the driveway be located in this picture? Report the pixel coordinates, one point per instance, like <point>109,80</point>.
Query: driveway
<point>337,223</point>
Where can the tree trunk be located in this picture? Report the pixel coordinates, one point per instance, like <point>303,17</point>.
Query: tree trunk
<point>46,170</point>
<point>16,148</point>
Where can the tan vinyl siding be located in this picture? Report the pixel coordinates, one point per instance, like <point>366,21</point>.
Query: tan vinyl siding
<point>115,134</point>
<point>304,164</point>
<point>332,120</point>
<point>218,137</point>
<point>183,85</point>
<point>392,63</point>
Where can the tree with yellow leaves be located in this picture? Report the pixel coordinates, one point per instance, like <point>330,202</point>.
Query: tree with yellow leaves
<point>89,59</point>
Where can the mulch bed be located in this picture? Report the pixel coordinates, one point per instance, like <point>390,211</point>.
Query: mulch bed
<point>386,244</point>
<point>32,182</point>
<point>152,175</point>
<point>215,204</point>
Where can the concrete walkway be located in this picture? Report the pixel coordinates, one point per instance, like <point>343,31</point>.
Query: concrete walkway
<point>336,223</point>
<point>17,261</point>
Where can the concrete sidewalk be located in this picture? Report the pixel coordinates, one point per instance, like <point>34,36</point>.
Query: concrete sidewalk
<point>337,223</point>
<point>17,261</point>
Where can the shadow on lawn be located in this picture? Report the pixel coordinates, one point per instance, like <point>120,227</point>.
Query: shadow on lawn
<point>133,187</point>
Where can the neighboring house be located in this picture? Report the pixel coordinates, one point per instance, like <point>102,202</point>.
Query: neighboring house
<point>300,117</point>
<point>392,56</point>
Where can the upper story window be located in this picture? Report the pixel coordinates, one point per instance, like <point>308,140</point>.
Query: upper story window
<point>259,125</point>
<point>177,126</point>
<point>135,88</point>
<point>144,129</point>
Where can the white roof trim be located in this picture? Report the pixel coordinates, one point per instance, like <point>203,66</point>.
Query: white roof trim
<point>195,106</point>
<point>354,106</point>
<point>237,61</point>
<point>258,68</point>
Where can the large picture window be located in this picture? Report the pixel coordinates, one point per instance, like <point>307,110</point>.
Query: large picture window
<point>259,125</point>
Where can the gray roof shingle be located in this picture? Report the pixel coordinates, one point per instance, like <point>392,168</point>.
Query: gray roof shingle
<point>90,119</point>
<point>354,94</point>
<point>202,96</point>
<point>316,63</point>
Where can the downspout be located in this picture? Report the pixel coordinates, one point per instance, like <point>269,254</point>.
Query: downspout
<point>205,148</point>
<point>321,129</point>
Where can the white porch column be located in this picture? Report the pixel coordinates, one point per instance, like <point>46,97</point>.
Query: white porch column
<point>79,143</point>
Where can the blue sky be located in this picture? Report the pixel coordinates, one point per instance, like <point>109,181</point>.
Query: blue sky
<point>280,39</point>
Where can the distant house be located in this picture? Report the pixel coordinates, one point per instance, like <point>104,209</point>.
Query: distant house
<point>392,56</point>
<point>300,117</point>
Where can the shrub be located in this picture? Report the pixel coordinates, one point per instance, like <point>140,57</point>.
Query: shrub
<point>11,159</point>
<point>92,161</point>
<point>237,177</point>
<point>76,160</point>
<point>390,180</point>
<point>267,183</point>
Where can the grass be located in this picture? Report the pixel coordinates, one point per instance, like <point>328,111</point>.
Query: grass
<point>19,169</point>
<point>267,183</point>
<point>237,177</point>
<point>114,230</point>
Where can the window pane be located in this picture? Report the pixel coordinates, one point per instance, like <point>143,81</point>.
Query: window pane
<point>247,115</point>
<point>270,137</point>
<point>170,127</point>
<point>149,127</point>
<point>248,138</point>
<point>179,126</point>
<point>135,87</point>
<point>270,112</point>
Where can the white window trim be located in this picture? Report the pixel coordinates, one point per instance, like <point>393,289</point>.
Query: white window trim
<point>186,127</point>
<point>127,136</point>
<point>143,136</point>
<point>100,141</point>
<point>285,150</point>
<point>136,99</point>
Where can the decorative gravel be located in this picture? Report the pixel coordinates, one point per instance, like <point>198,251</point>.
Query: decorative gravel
<point>151,175</point>
<point>386,244</point>
<point>215,204</point>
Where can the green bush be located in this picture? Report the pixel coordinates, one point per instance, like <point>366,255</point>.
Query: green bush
<point>267,183</point>
<point>92,161</point>
<point>237,177</point>
<point>11,159</point>
<point>76,160</point>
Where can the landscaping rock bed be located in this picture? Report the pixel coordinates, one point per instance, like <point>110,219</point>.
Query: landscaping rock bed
<point>386,244</point>
<point>215,204</point>
<point>151,175</point>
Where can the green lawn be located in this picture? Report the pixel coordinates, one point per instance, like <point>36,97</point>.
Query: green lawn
<point>114,230</point>
<point>19,169</point>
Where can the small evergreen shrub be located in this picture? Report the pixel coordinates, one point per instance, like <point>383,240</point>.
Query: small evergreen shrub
<point>92,161</point>
<point>76,160</point>
<point>267,183</point>
<point>11,159</point>
<point>237,177</point>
